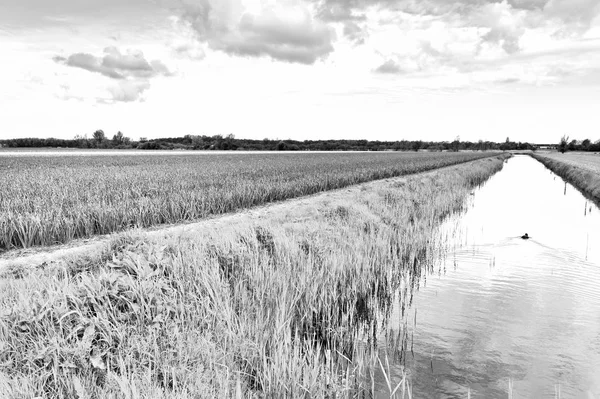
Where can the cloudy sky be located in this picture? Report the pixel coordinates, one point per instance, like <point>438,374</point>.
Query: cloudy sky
<point>303,69</point>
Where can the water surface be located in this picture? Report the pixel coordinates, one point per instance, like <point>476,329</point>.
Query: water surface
<point>500,311</point>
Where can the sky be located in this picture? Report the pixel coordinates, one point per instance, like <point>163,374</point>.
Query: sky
<point>301,69</point>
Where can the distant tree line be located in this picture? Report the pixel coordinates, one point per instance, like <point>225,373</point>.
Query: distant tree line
<point>97,140</point>
<point>229,143</point>
<point>566,144</point>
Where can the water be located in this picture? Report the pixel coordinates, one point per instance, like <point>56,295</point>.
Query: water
<point>502,312</point>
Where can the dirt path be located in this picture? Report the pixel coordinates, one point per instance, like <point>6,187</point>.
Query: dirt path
<point>297,208</point>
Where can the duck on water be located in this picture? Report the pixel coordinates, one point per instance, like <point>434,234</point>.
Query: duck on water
<point>525,236</point>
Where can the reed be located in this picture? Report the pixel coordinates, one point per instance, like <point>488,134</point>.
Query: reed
<point>52,200</point>
<point>286,306</point>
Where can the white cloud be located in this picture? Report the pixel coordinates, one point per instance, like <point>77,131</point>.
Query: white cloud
<point>128,91</point>
<point>284,31</point>
<point>506,25</point>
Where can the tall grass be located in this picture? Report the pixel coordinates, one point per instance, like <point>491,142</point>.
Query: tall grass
<point>585,180</point>
<point>281,307</point>
<point>50,200</point>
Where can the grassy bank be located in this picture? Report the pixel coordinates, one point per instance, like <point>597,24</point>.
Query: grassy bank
<point>288,305</point>
<point>50,200</point>
<point>582,173</point>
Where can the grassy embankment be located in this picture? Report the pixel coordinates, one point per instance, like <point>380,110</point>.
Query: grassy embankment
<point>581,170</point>
<point>288,305</point>
<point>50,200</point>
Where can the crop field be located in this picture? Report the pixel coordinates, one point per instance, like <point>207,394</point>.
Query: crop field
<point>580,169</point>
<point>290,305</point>
<point>55,199</point>
<point>583,160</point>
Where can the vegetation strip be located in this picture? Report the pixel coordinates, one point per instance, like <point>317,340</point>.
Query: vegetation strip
<point>100,140</point>
<point>286,306</point>
<point>51,200</point>
<point>585,179</point>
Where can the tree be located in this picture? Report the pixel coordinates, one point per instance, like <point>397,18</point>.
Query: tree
<point>229,142</point>
<point>198,142</point>
<point>120,139</point>
<point>562,145</point>
<point>585,144</point>
<point>572,145</point>
<point>99,136</point>
<point>281,146</point>
<point>82,141</point>
<point>455,145</point>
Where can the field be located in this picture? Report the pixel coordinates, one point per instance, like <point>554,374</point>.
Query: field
<point>289,305</point>
<point>55,199</point>
<point>584,160</point>
<point>580,169</point>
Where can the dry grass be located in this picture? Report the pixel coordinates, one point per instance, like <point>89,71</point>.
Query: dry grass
<point>581,170</point>
<point>281,307</point>
<point>50,200</point>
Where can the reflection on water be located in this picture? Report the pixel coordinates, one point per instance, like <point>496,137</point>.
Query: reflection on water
<point>504,311</point>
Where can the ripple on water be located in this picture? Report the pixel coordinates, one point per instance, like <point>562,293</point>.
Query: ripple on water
<point>500,308</point>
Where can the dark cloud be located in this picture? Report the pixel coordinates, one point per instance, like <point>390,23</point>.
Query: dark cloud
<point>340,11</point>
<point>290,35</point>
<point>345,10</point>
<point>222,25</point>
<point>130,71</point>
<point>268,35</point>
<point>578,11</point>
<point>92,64</point>
<point>160,68</point>
<point>116,65</point>
<point>528,4</point>
<point>508,40</point>
<point>133,61</point>
<point>389,67</point>
<point>581,11</point>
<point>354,32</point>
